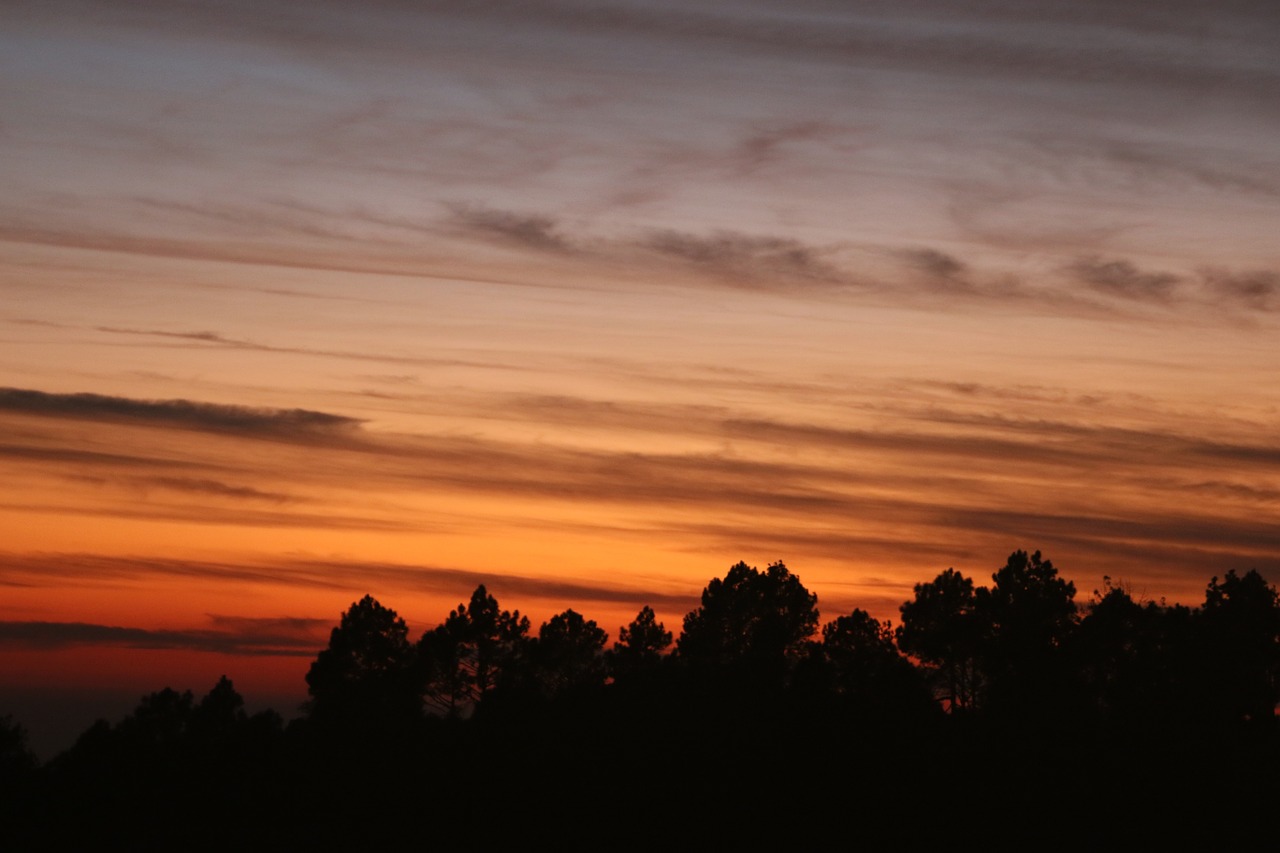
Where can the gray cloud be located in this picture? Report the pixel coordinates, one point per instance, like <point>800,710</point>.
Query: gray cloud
<point>975,449</point>
<point>1109,444</point>
<point>1122,278</point>
<point>935,263</point>
<point>1183,531</point>
<point>357,577</point>
<point>936,278</point>
<point>766,146</point>
<point>216,488</point>
<point>1239,491</point>
<point>284,637</point>
<point>1139,166</point>
<point>991,39</point>
<point>286,252</point>
<point>730,22</point>
<point>750,261</point>
<point>725,258</point>
<point>187,485</point>
<point>1025,393</point>
<point>284,625</point>
<point>764,262</point>
<point>71,456</point>
<point>206,514</point>
<point>530,231</point>
<point>209,417</point>
<point>198,338</point>
<point>940,273</point>
<point>1259,289</point>
<point>1001,40</point>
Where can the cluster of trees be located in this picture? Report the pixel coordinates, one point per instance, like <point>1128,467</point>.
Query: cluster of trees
<point>1139,701</point>
<point>1023,647</point>
<point>1020,648</point>
<point>372,674</point>
<point>754,631</point>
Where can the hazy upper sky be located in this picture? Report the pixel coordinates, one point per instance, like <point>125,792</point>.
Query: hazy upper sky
<point>590,300</point>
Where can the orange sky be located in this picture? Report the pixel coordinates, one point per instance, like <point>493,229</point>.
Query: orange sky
<point>300,305</point>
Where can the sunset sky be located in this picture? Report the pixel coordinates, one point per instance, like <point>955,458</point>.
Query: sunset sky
<point>588,301</point>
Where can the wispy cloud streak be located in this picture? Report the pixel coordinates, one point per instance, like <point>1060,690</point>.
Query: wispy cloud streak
<point>239,636</point>
<point>217,340</point>
<point>55,570</point>
<point>212,417</point>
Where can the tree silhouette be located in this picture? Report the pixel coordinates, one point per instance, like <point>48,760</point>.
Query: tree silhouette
<point>1241,631</point>
<point>750,622</point>
<point>366,675</point>
<point>16,758</point>
<point>1030,608</point>
<point>1113,654</point>
<point>640,646</point>
<point>477,648</point>
<point>569,653</point>
<point>18,788</point>
<point>865,666</point>
<point>1028,613</point>
<point>160,720</point>
<point>443,674</point>
<point>941,627</point>
<point>221,708</point>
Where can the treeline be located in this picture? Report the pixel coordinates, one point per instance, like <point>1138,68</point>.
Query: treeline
<point>757,714</point>
<point>1020,650</point>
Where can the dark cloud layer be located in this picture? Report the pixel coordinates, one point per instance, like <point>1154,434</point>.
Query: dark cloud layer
<point>772,262</point>
<point>73,457</point>
<point>931,471</point>
<point>292,637</point>
<point>211,417</point>
<point>538,232</point>
<point>1001,40</point>
<point>207,514</point>
<point>724,258</point>
<point>222,341</point>
<point>935,263</point>
<point>216,488</point>
<point>1259,289</point>
<point>785,265</point>
<point>1123,278</point>
<point>53,570</point>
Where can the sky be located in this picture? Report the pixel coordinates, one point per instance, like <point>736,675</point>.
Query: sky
<point>588,301</point>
